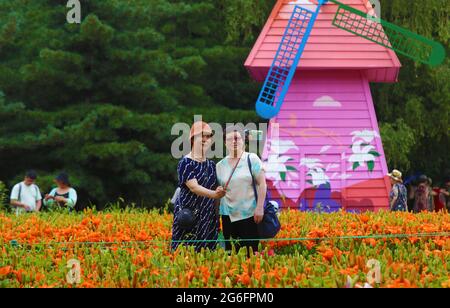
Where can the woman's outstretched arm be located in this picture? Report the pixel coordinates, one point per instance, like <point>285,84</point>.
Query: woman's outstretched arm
<point>204,192</point>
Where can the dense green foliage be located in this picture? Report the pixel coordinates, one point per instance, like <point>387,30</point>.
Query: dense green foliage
<point>414,113</point>
<point>3,196</point>
<point>99,99</point>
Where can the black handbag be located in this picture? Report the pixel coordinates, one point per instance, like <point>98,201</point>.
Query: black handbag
<point>270,225</point>
<point>186,218</point>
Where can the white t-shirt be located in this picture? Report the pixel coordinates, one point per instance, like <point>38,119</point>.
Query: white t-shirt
<point>239,202</point>
<point>29,195</point>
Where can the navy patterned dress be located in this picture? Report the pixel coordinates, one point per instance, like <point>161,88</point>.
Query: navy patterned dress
<point>207,221</point>
<point>399,191</point>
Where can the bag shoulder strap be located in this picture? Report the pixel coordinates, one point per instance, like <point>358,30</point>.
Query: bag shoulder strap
<point>232,172</point>
<point>20,192</point>
<point>253,178</point>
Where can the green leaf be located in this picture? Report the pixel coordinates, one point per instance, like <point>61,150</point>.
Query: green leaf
<point>355,166</point>
<point>371,165</point>
<point>283,176</point>
<point>375,153</point>
<point>290,168</point>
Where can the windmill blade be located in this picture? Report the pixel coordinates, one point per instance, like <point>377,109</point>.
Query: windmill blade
<point>286,61</point>
<point>389,35</point>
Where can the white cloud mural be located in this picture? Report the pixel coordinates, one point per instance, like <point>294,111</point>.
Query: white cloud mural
<point>327,101</point>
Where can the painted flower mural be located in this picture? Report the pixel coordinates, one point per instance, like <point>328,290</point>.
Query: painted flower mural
<point>277,168</point>
<point>363,152</point>
<point>316,172</point>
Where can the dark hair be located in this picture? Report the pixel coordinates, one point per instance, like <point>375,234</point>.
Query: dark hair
<point>422,179</point>
<point>63,178</point>
<point>31,174</point>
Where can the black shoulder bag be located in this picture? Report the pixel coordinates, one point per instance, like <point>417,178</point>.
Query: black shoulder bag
<point>270,225</point>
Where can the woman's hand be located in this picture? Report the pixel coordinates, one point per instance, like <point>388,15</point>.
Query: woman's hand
<point>220,192</point>
<point>262,191</point>
<point>48,197</point>
<point>199,190</point>
<point>259,214</point>
<point>60,199</point>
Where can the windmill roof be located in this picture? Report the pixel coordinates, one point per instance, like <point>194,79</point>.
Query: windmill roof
<point>328,47</point>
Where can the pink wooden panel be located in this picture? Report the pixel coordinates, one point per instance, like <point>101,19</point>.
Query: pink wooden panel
<point>329,63</point>
<point>332,55</point>
<point>336,184</point>
<point>330,126</point>
<point>325,114</point>
<point>326,123</point>
<point>335,133</point>
<point>327,47</point>
<point>295,95</point>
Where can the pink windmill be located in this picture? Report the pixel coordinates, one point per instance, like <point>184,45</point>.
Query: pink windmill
<point>327,152</point>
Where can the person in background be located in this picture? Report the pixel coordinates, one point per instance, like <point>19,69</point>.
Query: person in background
<point>446,193</point>
<point>439,199</point>
<point>431,195</point>
<point>63,195</point>
<point>25,196</point>
<point>398,194</point>
<point>411,192</point>
<point>421,195</point>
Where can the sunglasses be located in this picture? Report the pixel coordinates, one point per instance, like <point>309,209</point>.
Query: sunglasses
<point>236,139</point>
<point>207,136</point>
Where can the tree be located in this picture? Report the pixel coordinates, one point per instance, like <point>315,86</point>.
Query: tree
<point>418,106</point>
<point>98,99</point>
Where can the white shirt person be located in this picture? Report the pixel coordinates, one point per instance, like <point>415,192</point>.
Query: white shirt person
<point>26,196</point>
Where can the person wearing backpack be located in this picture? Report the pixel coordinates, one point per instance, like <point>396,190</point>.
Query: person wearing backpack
<point>25,196</point>
<point>240,210</point>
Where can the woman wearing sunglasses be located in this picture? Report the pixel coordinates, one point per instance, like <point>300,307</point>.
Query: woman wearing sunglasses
<point>197,181</point>
<point>239,209</point>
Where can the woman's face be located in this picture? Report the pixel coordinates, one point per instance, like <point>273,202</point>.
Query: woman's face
<point>203,141</point>
<point>392,181</point>
<point>234,142</point>
<point>60,184</point>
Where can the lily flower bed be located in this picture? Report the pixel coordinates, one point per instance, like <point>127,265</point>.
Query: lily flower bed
<point>131,249</point>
